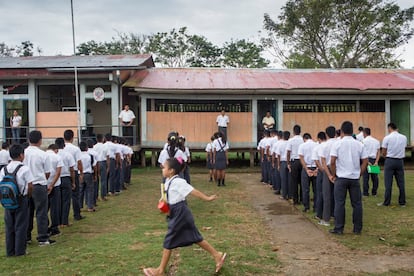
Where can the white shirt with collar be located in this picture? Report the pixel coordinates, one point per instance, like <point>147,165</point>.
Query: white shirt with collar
<point>4,157</point>
<point>39,164</point>
<point>74,151</point>
<point>178,189</point>
<point>218,145</point>
<point>281,150</point>
<point>23,176</point>
<point>55,163</point>
<point>126,116</point>
<point>325,150</point>
<point>395,144</point>
<point>293,146</point>
<point>86,159</point>
<point>348,153</point>
<point>101,149</point>
<point>306,150</point>
<point>372,146</point>
<point>68,162</point>
<point>222,121</point>
<point>360,137</point>
<point>164,155</point>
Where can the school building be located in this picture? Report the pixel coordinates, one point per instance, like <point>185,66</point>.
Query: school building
<point>188,100</point>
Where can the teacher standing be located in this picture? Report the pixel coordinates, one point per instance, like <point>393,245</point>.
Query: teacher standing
<point>126,118</point>
<point>15,123</point>
<point>222,122</point>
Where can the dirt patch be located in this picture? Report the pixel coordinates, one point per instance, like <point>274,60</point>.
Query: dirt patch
<point>305,249</point>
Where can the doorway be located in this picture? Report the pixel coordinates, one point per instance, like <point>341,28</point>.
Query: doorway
<point>400,115</point>
<point>22,108</point>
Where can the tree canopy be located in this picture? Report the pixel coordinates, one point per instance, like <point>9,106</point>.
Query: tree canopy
<point>338,33</point>
<point>23,50</point>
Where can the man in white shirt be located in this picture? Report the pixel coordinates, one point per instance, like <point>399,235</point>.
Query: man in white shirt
<point>73,150</point>
<point>360,135</point>
<point>103,160</point>
<point>294,165</point>
<point>126,118</point>
<point>372,147</point>
<point>348,161</point>
<point>393,149</point>
<point>268,121</point>
<point>282,165</point>
<point>222,123</point>
<point>309,170</point>
<point>318,199</point>
<point>39,164</point>
<point>15,123</point>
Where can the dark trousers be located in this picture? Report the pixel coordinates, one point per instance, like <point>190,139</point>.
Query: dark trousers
<point>263,169</point>
<point>275,178</point>
<point>16,224</point>
<point>112,175</point>
<point>306,181</point>
<point>342,185</point>
<point>187,174</point>
<point>75,198</point>
<point>66,196</point>
<point>16,135</point>
<point>394,167</point>
<point>296,171</point>
<point>89,190</point>
<point>103,178</point>
<point>266,165</point>
<point>127,132</point>
<point>127,175</point>
<point>284,179</point>
<point>117,179</point>
<point>374,178</point>
<point>223,130</point>
<point>328,198</point>
<point>39,203</point>
<point>318,195</point>
<point>55,209</point>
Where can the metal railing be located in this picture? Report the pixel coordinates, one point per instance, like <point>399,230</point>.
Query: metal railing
<point>50,133</point>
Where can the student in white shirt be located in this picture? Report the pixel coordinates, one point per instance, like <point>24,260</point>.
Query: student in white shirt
<point>393,149</point>
<point>39,164</point>
<point>114,160</point>
<point>309,170</point>
<point>277,137</point>
<point>282,165</point>
<point>172,150</point>
<point>89,175</point>
<point>182,230</point>
<point>372,147</point>
<point>220,158</point>
<point>360,136</point>
<point>348,161</point>
<point>67,181</point>
<point>101,149</point>
<point>15,123</point>
<point>54,190</point>
<point>94,154</point>
<point>4,155</point>
<point>209,159</point>
<point>186,150</point>
<point>16,221</point>
<point>295,165</point>
<point>318,199</point>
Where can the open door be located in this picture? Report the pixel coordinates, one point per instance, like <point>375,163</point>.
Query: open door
<point>400,115</point>
<point>21,106</point>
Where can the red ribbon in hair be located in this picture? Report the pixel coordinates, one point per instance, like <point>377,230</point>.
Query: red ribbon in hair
<point>180,160</point>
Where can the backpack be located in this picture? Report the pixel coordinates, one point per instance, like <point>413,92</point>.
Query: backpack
<point>10,196</point>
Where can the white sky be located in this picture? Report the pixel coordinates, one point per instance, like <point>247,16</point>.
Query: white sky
<point>47,23</point>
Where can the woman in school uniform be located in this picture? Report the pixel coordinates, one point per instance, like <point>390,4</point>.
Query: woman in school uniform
<point>209,159</point>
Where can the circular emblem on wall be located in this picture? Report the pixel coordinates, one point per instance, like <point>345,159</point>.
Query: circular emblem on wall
<point>98,94</point>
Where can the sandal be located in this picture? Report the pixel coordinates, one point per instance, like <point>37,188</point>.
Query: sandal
<point>220,264</point>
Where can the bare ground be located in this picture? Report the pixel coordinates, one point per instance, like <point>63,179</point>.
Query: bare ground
<point>305,249</point>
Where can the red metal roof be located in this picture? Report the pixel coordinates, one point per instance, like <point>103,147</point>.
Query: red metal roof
<point>267,79</point>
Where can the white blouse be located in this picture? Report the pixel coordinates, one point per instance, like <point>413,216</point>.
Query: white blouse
<point>179,189</point>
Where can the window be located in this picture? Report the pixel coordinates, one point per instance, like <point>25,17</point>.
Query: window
<point>198,106</point>
<point>333,106</point>
<point>56,98</point>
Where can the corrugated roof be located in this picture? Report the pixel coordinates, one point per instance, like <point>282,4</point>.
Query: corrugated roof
<point>266,79</point>
<point>49,62</point>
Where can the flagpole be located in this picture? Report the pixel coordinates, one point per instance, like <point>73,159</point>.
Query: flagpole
<point>76,74</point>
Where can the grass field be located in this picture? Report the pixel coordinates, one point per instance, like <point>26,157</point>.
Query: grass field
<point>127,232</point>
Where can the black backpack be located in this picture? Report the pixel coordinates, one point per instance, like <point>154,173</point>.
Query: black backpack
<point>10,196</point>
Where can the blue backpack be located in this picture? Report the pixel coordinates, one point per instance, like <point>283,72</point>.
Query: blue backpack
<point>10,195</point>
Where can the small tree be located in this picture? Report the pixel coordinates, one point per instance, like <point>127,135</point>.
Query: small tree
<point>242,53</point>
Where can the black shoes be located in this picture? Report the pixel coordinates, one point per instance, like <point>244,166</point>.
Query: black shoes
<point>335,232</point>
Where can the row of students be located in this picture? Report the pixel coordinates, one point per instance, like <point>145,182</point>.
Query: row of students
<point>50,180</point>
<point>217,158</point>
<point>299,165</point>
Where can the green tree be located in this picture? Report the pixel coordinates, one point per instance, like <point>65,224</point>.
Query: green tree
<point>26,48</point>
<point>243,53</point>
<point>338,33</point>
<point>5,51</point>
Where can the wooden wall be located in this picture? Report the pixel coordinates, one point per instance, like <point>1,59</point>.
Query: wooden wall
<point>53,124</point>
<point>197,127</point>
<point>315,122</point>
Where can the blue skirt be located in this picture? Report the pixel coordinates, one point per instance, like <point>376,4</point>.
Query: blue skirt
<point>181,227</point>
<point>220,162</point>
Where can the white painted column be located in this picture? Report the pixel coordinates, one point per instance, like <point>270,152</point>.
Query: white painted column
<point>412,121</point>
<point>279,122</point>
<point>115,109</point>
<point>254,122</point>
<point>32,93</point>
<point>3,130</point>
<point>387,115</point>
<point>82,104</point>
<point>143,124</point>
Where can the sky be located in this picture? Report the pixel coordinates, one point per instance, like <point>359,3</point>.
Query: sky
<point>47,23</point>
